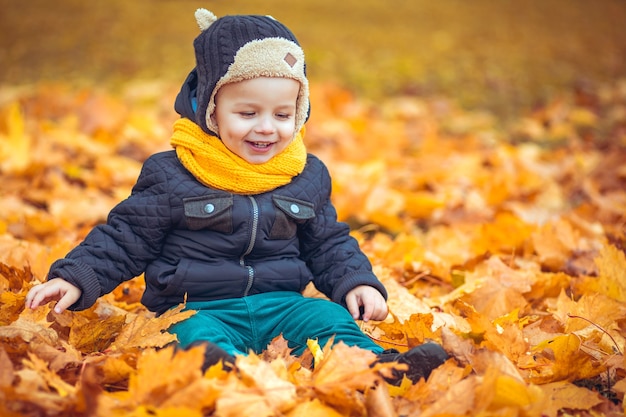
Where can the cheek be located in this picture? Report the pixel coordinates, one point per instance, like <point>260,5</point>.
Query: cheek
<point>225,124</point>
<point>289,131</point>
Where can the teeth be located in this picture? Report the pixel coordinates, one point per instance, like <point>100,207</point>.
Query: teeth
<point>261,144</point>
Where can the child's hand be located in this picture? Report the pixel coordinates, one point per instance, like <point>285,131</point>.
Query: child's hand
<point>372,301</point>
<point>56,289</point>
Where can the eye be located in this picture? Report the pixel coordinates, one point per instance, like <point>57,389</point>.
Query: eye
<point>246,113</point>
<point>283,116</point>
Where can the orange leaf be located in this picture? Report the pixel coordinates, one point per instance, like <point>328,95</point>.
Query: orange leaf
<point>31,325</point>
<point>144,331</point>
<point>180,372</point>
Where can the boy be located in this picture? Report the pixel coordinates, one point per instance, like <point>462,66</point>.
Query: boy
<point>238,218</point>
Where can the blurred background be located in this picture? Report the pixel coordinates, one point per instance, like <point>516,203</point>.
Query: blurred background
<point>503,56</point>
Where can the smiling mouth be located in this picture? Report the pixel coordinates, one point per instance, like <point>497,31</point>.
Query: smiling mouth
<point>261,144</point>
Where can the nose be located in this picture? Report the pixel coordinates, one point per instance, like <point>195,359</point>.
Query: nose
<point>265,125</point>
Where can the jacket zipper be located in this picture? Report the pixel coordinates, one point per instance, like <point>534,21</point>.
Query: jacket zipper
<point>253,232</point>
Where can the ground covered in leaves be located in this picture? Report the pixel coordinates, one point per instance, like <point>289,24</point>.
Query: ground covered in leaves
<point>505,245</point>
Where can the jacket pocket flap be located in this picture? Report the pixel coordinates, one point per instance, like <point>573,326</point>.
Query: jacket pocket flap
<point>206,206</point>
<point>294,208</point>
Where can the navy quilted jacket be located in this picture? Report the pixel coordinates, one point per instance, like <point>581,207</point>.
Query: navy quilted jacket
<point>207,244</point>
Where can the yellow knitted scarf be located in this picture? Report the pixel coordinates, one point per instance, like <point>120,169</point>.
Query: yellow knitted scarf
<point>214,165</point>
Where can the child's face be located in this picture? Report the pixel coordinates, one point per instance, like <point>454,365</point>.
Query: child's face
<point>256,117</point>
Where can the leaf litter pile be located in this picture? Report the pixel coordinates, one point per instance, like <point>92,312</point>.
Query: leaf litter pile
<point>505,244</point>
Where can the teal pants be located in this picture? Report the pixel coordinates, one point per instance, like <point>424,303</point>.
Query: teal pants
<point>239,325</point>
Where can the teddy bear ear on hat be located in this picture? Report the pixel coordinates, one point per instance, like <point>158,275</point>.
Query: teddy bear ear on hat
<point>204,18</point>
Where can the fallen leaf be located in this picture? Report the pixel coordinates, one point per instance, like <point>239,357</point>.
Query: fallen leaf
<point>563,395</point>
<point>146,331</point>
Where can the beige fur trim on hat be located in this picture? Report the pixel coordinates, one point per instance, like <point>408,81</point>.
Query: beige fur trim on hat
<point>269,57</point>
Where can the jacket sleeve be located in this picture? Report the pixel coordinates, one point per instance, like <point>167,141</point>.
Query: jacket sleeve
<point>333,256</point>
<point>121,248</point>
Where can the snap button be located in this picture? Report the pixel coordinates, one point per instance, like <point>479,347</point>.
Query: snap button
<point>209,208</point>
<point>294,209</point>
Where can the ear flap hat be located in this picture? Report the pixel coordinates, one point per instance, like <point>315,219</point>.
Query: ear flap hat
<point>240,47</point>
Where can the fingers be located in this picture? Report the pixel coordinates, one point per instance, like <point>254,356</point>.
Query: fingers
<point>374,309</point>
<point>56,289</point>
<point>368,310</point>
<point>70,297</point>
<point>380,313</point>
<point>367,305</point>
<point>353,304</point>
<point>38,295</point>
<point>63,303</point>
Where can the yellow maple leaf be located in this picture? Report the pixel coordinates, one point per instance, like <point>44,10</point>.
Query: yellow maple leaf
<point>566,361</point>
<point>611,264</point>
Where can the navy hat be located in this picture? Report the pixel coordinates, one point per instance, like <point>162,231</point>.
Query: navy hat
<point>241,47</point>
